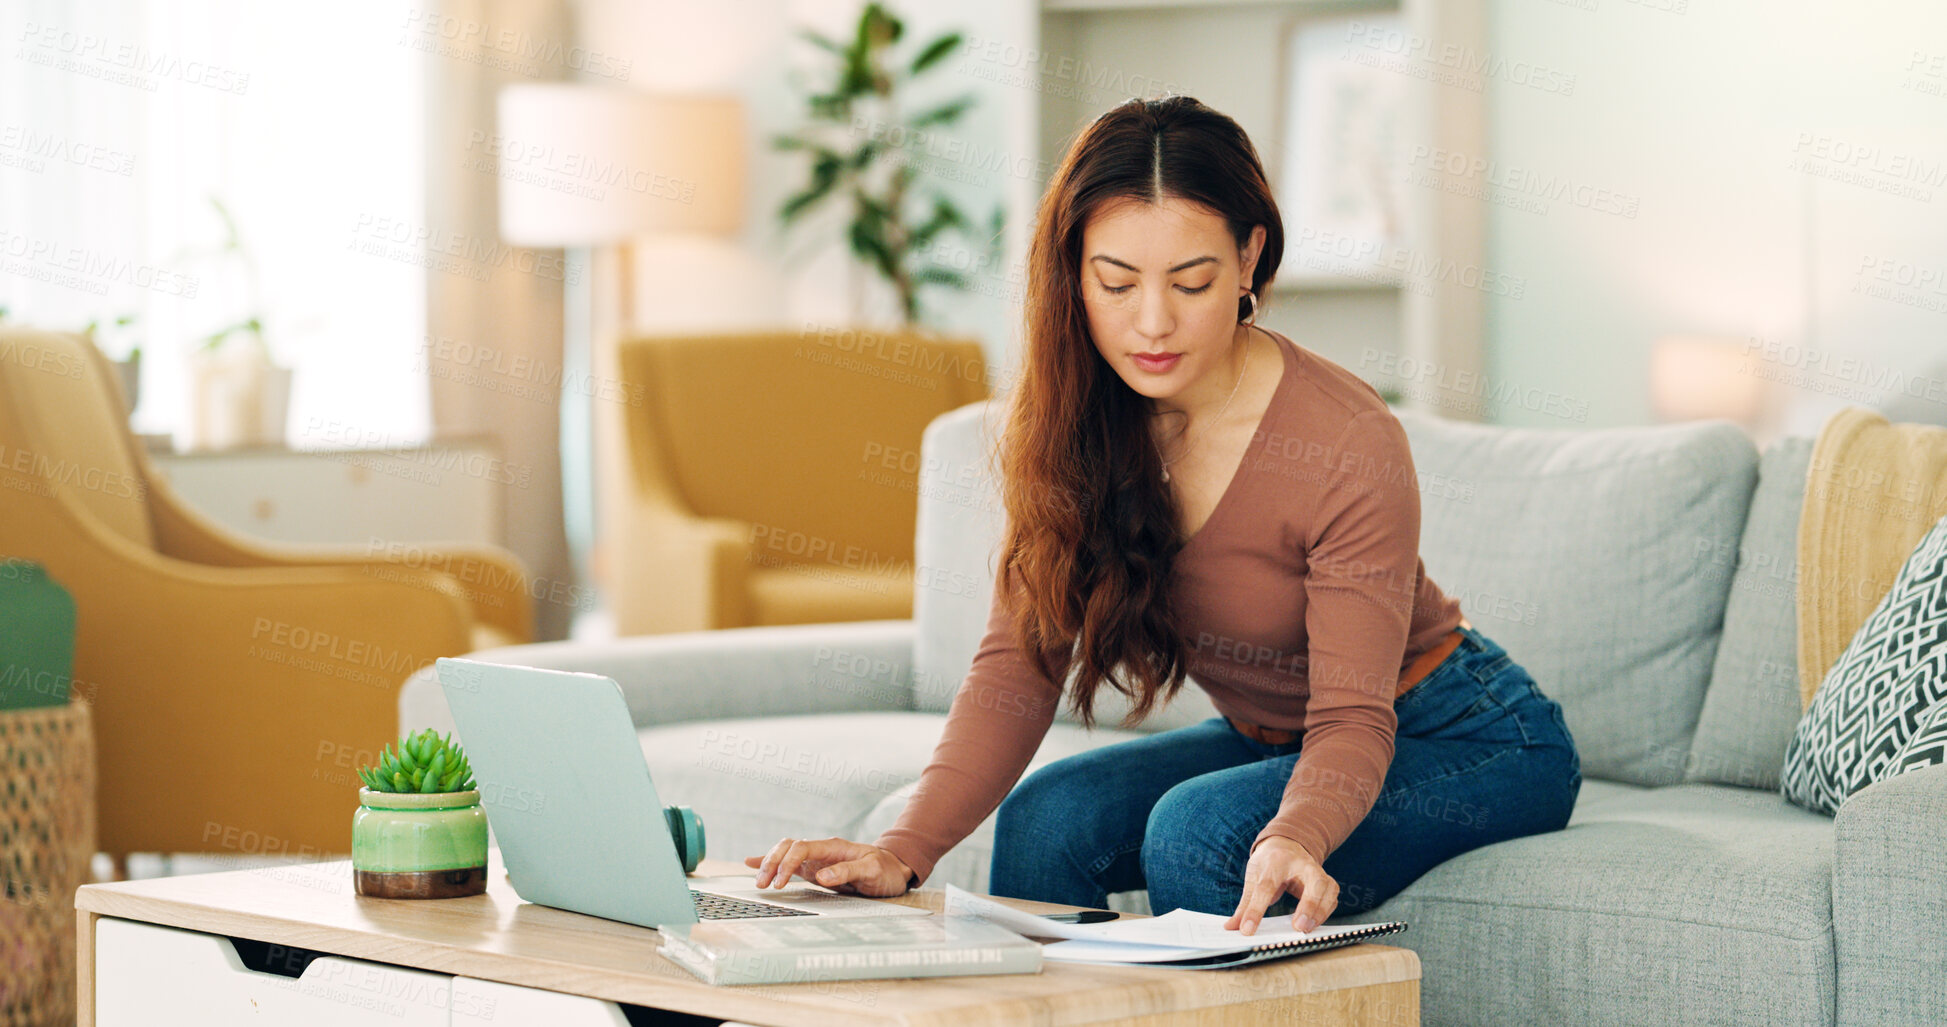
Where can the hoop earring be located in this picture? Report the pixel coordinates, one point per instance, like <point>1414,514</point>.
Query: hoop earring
<point>1251,318</point>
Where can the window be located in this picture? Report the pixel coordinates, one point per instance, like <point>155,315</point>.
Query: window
<point>120,120</point>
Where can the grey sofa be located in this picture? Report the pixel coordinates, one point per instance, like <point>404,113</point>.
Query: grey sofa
<point>1643,575</point>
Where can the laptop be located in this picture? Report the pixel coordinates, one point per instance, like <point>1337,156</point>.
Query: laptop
<point>567,793</point>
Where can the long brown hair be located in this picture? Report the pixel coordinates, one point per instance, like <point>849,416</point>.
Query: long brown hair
<point>1091,526</point>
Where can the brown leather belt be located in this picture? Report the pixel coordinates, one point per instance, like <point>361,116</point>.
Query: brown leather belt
<point>1419,668</point>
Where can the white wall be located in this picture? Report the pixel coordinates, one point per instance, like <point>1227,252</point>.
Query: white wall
<point>1783,154</point>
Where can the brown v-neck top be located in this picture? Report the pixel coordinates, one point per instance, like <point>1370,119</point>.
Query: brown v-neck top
<point>1301,599</point>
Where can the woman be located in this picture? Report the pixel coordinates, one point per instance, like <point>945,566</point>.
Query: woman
<point>1190,494</point>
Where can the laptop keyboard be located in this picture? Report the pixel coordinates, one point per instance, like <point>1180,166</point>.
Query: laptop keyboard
<point>722,907</point>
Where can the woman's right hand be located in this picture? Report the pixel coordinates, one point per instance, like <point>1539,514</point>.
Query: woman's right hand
<point>834,863</point>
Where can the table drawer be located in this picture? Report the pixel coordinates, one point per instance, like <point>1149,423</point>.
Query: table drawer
<point>478,1003</point>
<point>152,976</point>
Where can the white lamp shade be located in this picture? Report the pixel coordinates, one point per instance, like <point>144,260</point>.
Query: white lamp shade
<point>1703,376</point>
<point>589,165</point>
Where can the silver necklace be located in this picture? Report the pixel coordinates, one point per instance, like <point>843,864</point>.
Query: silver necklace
<point>1215,420</point>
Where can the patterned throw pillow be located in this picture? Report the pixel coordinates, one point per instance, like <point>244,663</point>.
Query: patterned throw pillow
<point>1882,708</point>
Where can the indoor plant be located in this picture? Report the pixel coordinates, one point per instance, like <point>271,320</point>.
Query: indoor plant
<point>419,832</point>
<point>128,368</point>
<point>880,169</point>
<point>240,394</point>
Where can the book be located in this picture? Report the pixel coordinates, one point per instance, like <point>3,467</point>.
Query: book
<point>1181,938</point>
<point>787,951</point>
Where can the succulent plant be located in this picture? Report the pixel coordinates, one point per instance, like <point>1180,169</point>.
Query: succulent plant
<point>423,762</point>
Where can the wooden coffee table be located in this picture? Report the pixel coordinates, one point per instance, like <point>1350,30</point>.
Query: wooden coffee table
<point>151,951</point>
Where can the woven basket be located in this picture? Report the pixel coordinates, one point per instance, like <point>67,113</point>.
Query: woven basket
<point>47,844</point>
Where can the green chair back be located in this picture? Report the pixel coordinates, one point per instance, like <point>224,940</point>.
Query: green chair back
<point>36,637</point>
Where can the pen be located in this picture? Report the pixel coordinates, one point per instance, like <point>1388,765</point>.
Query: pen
<point>1086,916</point>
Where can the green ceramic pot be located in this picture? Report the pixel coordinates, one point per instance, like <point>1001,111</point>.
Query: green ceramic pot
<point>408,845</point>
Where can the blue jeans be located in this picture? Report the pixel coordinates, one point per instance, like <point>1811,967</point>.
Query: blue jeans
<point>1480,756</point>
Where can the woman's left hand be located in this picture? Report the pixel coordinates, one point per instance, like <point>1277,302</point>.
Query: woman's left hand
<point>1280,865</point>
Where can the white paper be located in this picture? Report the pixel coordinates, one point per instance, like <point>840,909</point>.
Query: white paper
<point>1178,934</point>
<point>1089,950</point>
<point>1188,928</point>
<point>961,902</point>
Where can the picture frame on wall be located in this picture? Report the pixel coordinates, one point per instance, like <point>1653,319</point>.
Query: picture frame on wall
<point>1336,168</point>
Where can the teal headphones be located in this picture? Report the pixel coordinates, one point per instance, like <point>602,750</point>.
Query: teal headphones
<point>686,830</point>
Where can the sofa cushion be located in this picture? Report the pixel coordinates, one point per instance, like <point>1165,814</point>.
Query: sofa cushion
<point>959,529</point>
<point>959,533</point>
<point>1752,704</point>
<point>1694,903</point>
<point>801,594</point>
<point>1876,713</point>
<point>805,436</point>
<point>1598,796</point>
<point>754,780</point>
<point>487,636</point>
<point>1578,551</point>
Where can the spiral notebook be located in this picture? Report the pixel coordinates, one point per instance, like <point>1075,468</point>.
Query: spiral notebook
<point>1181,938</point>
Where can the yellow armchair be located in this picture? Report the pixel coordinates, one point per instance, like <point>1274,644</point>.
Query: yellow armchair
<point>234,685</point>
<point>768,477</point>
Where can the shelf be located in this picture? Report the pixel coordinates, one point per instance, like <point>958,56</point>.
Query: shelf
<point>1312,287</point>
<point>1234,55</point>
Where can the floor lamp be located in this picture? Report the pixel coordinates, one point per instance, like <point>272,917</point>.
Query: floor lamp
<point>587,167</point>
